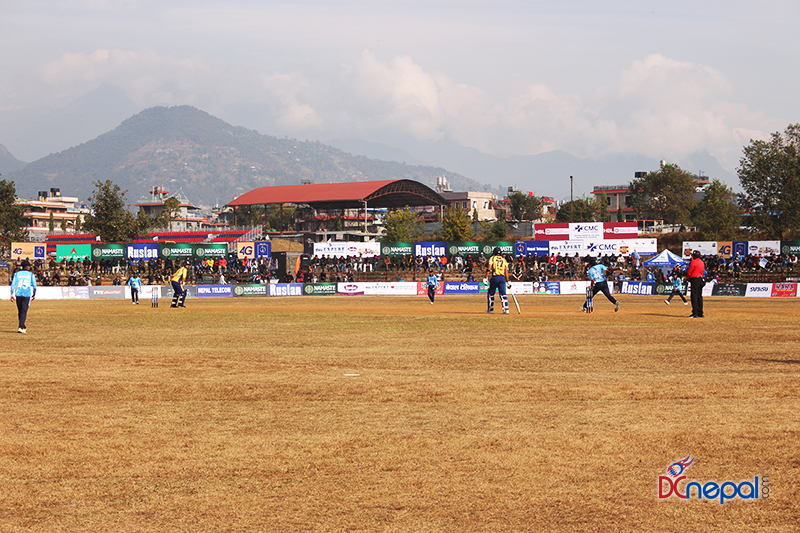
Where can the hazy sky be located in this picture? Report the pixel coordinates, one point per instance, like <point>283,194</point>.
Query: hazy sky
<point>593,78</point>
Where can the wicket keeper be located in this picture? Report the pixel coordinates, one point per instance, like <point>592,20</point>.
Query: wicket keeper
<point>497,274</point>
<point>178,280</point>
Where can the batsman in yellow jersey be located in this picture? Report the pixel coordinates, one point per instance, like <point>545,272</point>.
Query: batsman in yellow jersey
<point>178,289</point>
<point>497,274</point>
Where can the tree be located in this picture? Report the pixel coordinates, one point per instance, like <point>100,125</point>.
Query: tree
<point>525,206</point>
<point>715,215</point>
<point>602,207</point>
<point>12,225</point>
<point>281,217</point>
<point>51,224</point>
<point>580,210</point>
<point>402,225</point>
<point>667,195</point>
<point>769,173</point>
<point>109,217</point>
<point>493,231</point>
<point>171,210</point>
<point>456,225</point>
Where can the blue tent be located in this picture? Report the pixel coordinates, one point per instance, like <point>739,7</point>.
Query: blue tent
<point>665,259</point>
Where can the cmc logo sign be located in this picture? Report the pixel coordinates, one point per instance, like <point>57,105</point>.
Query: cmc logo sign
<point>672,484</point>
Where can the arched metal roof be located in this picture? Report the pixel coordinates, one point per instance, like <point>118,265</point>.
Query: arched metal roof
<point>386,193</point>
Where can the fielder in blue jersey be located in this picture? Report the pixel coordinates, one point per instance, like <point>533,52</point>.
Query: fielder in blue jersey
<point>135,283</point>
<point>597,277</point>
<point>23,290</point>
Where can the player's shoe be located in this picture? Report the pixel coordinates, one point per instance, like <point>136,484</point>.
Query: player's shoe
<point>582,309</point>
<point>490,310</point>
<point>685,303</point>
<point>506,312</point>
<point>666,302</point>
<point>616,307</point>
<point>20,330</point>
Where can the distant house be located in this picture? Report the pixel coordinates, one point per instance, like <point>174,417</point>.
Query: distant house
<point>470,201</point>
<point>66,213</point>
<point>188,217</point>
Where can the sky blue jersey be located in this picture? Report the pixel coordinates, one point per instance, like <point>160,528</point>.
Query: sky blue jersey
<point>597,273</point>
<point>23,284</point>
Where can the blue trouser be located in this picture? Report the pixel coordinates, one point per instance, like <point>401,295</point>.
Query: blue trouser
<point>179,296</point>
<point>602,286</point>
<point>497,283</point>
<point>23,302</point>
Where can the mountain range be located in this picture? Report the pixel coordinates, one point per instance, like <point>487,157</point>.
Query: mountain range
<point>210,161</point>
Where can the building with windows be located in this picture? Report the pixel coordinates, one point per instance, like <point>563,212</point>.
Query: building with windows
<point>52,213</point>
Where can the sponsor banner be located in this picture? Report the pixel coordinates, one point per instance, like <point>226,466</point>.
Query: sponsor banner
<point>729,289</point>
<point>214,291</point>
<point>168,293</point>
<point>790,247</point>
<point>704,247</point>
<point>350,289</point>
<point>251,289</point>
<point>739,247</point>
<point>465,248</point>
<point>176,250</point>
<point>262,249</point>
<point>620,230</point>
<point>463,287</point>
<point>245,250</point>
<point>664,289</point>
<point>212,250</point>
<point>102,252</point>
<point>394,288</point>
<point>145,292</point>
<point>73,293</point>
<point>586,231</point>
<point>638,287</point>
<point>319,289</point>
<point>422,288</point>
<point>521,287</point>
<point>28,250</point>
<point>566,247</point>
<point>145,251</point>
<point>506,248</point>
<point>552,287</point>
<point>434,249</point>
<point>42,293</point>
<point>763,247</point>
<point>558,231</point>
<point>107,292</point>
<point>397,248</point>
<point>763,290</point>
<point>598,248</point>
<point>285,289</point>
<point>535,248</point>
<point>73,251</point>
<point>576,287</point>
<point>725,249</point>
<point>347,249</point>
<point>780,290</point>
<point>644,247</point>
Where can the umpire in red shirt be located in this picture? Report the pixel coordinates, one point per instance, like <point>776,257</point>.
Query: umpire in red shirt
<point>696,281</point>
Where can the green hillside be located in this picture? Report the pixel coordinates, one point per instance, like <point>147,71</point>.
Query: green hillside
<point>210,160</point>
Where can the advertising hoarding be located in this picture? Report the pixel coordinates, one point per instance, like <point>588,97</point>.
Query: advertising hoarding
<point>28,250</point>
<point>144,251</point>
<point>74,252</point>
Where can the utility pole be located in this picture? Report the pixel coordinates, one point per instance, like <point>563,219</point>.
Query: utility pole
<point>571,202</point>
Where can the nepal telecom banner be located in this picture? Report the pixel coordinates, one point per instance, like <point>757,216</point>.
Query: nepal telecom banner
<point>73,251</point>
<point>397,248</point>
<point>638,287</point>
<point>347,249</point>
<point>462,287</point>
<point>763,247</point>
<point>434,249</point>
<point>285,289</point>
<point>214,291</point>
<point>725,249</point>
<point>739,247</point>
<point>101,252</point>
<point>782,290</point>
<point>250,289</point>
<point>533,248</point>
<point>144,251</point>
<point>704,247</point>
<point>570,231</point>
<point>28,250</point>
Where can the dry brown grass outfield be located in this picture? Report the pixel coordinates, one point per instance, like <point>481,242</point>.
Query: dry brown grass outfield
<point>238,415</point>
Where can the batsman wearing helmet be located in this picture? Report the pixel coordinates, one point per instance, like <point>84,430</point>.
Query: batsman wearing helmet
<point>497,274</point>
<point>178,280</point>
<point>597,278</point>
